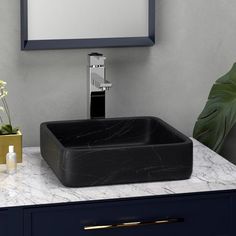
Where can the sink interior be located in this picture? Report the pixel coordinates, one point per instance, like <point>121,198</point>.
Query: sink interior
<point>113,133</point>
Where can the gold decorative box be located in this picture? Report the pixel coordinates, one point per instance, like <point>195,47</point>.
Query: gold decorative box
<point>6,141</point>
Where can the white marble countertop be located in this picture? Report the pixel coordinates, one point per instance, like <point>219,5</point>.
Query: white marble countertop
<point>35,183</point>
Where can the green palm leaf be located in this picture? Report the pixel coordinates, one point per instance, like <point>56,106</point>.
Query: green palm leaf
<point>219,114</point>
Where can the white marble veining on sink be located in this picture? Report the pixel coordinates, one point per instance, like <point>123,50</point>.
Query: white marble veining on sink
<point>35,183</point>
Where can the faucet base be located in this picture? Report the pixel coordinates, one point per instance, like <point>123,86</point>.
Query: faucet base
<point>97,105</point>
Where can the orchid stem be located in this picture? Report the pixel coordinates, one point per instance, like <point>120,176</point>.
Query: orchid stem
<point>7,110</point>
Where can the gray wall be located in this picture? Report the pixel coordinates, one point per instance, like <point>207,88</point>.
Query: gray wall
<point>196,44</point>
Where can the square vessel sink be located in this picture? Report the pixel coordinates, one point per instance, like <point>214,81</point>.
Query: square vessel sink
<point>115,151</point>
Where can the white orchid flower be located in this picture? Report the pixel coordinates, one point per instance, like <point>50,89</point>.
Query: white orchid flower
<point>2,84</point>
<point>3,93</point>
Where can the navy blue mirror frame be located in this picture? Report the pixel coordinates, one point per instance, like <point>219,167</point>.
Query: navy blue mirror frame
<point>85,43</point>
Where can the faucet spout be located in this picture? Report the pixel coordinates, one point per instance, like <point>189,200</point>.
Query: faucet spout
<point>100,83</point>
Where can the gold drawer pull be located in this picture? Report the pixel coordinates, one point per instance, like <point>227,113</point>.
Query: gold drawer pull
<point>134,224</point>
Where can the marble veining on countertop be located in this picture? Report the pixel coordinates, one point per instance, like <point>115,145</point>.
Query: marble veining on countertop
<point>35,183</point>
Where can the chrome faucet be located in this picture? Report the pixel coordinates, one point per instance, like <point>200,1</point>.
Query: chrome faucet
<point>97,86</point>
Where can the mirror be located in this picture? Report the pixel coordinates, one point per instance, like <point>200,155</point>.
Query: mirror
<point>61,24</point>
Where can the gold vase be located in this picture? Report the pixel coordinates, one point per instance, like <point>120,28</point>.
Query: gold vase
<point>6,141</point>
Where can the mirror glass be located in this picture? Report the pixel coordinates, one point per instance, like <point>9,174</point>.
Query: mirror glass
<point>72,19</point>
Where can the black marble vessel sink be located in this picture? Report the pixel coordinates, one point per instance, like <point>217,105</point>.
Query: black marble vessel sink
<point>115,151</point>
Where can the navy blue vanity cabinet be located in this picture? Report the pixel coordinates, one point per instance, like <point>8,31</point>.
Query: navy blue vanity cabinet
<point>206,214</point>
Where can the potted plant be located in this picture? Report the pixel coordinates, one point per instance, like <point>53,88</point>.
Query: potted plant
<point>9,135</point>
<point>219,114</point>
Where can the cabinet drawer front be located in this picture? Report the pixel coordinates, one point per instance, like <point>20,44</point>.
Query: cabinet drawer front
<point>140,217</point>
<point>3,222</point>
